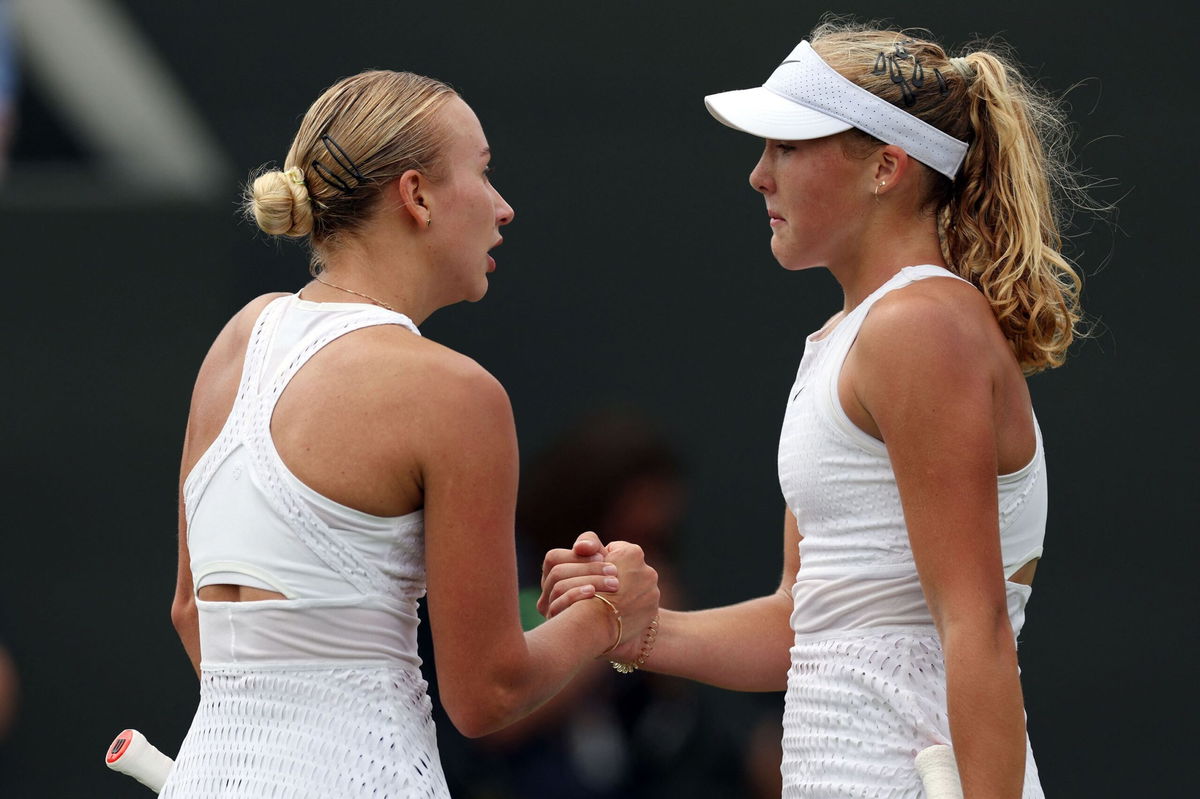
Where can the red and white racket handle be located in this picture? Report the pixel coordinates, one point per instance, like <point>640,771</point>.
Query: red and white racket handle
<point>939,772</point>
<point>132,754</point>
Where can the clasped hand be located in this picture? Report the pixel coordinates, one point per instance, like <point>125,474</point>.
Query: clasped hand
<point>618,570</point>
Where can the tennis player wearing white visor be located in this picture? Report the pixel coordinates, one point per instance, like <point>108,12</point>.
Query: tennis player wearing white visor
<point>910,459</point>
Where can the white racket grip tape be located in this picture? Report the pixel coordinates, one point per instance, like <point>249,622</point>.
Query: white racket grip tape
<point>132,754</point>
<point>939,773</point>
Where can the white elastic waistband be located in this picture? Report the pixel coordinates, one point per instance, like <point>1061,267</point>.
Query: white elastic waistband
<point>307,631</point>
<point>857,602</point>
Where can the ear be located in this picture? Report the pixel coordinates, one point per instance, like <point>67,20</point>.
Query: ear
<point>412,190</point>
<point>892,165</point>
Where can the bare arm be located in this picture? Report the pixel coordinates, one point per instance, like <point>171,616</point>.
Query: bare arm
<point>183,607</point>
<point>922,372</point>
<point>742,647</point>
<point>489,672</point>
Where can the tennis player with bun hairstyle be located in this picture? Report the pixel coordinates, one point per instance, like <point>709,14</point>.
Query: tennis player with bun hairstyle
<point>337,463</point>
<point>910,458</point>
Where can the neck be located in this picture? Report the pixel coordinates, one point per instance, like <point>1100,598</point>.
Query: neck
<point>383,267</point>
<point>887,246</point>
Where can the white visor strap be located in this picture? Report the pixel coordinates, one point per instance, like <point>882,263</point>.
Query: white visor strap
<point>804,78</point>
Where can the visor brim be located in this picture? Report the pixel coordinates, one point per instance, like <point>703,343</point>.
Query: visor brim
<point>763,113</point>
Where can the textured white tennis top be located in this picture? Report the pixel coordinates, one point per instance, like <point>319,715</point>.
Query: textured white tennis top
<point>857,570</point>
<point>352,580</point>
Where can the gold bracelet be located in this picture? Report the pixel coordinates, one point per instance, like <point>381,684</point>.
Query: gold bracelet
<point>647,645</point>
<point>620,627</point>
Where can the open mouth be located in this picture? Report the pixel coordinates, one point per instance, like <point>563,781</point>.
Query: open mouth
<point>491,260</point>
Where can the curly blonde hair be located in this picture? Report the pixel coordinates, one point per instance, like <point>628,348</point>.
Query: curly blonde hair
<point>999,219</point>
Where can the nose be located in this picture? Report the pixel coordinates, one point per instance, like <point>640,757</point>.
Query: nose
<point>504,211</point>
<point>760,177</point>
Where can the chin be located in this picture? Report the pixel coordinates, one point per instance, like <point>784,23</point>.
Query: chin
<point>791,261</point>
<point>477,293</point>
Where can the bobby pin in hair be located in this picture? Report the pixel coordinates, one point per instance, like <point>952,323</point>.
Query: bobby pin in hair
<point>897,76</point>
<point>888,63</point>
<point>343,160</point>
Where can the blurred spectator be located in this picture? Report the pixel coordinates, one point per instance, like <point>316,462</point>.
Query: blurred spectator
<point>9,695</point>
<point>8,84</point>
<point>605,735</point>
<point>612,472</point>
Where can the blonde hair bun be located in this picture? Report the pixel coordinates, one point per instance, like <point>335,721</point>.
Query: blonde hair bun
<point>280,203</point>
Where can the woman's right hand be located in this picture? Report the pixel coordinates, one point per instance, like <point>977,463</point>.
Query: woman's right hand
<point>572,575</point>
<point>569,575</point>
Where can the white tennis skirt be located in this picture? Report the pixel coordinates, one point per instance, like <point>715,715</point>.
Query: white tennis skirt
<point>299,732</point>
<point>859,707</point>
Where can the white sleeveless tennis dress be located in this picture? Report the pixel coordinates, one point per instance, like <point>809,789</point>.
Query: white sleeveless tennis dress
<point>866,688</point>
<point>318,695</point>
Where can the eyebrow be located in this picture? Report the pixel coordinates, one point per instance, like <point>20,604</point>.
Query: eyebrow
<point>486,151</point>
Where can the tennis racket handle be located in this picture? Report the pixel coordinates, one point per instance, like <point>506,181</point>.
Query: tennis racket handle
<point>132,754</point>
<point>939,773</point>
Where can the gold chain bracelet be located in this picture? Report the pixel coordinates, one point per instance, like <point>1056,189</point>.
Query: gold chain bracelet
<point>647,646</point>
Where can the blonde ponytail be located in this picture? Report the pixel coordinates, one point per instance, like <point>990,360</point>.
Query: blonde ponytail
<point>999,228</point>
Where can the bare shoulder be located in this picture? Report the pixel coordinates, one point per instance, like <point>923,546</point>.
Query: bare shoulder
<point>438,405</point>
<point>933,319</point>
<point>231,341</point>
<point>415,372</point>
<point>919,346</point>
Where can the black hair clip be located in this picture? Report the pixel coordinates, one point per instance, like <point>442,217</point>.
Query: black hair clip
<point>343,160</point>
<point>898,78</point>
<point>918,74</point>
<point>943,89</point>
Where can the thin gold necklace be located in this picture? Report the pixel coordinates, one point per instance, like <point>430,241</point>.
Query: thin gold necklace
<point>380,303</point>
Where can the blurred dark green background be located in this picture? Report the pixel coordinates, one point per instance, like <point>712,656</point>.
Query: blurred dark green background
<point>637,272</point>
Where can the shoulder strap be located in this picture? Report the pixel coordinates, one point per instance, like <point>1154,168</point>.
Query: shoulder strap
<point>915,273</point>
<point>230,435</point>
<point>325,334</point>
<point>905,277</point>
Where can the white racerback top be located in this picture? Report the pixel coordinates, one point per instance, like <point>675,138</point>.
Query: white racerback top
<point>857,570</point>
<point>351,579</point>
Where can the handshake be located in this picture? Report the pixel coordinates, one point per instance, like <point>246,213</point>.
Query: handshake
<point>618,575</point>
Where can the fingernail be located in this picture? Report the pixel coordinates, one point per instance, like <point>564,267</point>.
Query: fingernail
<point>597,556</point>
<point>587,589</point>
<point>610,569</point>
<point>611,582</point>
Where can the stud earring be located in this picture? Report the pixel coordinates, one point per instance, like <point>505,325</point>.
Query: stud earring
<point>882,183</point>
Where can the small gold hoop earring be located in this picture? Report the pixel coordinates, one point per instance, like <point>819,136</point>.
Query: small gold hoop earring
<point>882,183</point>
